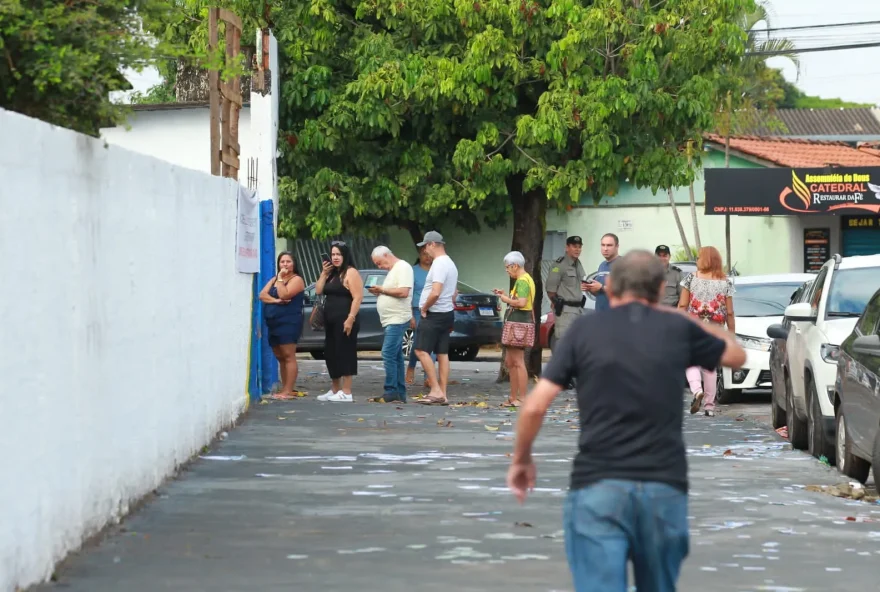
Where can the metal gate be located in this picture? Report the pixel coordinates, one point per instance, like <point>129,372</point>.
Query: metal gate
<point>308,253</point>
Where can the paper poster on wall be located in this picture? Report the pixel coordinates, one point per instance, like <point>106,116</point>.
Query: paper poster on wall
<point>247,238</point>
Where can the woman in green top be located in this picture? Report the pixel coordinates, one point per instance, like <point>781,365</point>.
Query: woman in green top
<point>519,303</point>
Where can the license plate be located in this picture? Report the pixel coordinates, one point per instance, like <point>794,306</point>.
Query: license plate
<point>487,312</point>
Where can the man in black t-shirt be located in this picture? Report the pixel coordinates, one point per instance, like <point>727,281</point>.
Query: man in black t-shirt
<point>628,496</point>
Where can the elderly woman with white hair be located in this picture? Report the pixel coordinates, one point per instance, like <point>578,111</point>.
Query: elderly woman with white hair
<point>519,324</point>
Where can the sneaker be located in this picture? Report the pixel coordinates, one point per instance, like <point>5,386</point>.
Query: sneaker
<point>326,396</point>
<point>710,413</point>
<point>340,397</point>
<point>697,402</point>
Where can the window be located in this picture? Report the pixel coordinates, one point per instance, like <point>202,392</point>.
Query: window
<point>818,288</point>
<point>762,300</point>
<point>554,245</point>
<point>465,289</point>
<point>868,323</point>
<point>851,289</point>
<point>370,280</point>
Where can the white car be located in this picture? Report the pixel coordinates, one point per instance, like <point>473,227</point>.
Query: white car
<point>758,302</point>
<point>818,325</point>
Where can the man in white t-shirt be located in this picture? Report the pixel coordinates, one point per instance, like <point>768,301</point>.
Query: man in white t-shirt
<point>394,304</point>
<point>437,306</point>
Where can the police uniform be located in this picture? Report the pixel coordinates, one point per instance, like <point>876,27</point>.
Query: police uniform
<point>565,279</point>
<point>672,291</point>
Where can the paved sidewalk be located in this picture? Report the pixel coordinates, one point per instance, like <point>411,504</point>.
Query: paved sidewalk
<point>333,497</point>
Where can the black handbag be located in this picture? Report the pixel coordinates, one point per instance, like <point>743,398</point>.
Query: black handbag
<point>316,319</point>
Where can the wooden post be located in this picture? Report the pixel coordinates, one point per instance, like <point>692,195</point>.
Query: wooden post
<point>214,91</point>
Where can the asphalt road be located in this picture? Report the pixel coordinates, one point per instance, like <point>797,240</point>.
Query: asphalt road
<point>320,496</point>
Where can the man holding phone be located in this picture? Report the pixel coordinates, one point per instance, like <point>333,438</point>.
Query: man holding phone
<point>610,246</point>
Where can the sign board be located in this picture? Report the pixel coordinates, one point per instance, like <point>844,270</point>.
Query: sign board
<point>861,222</point>
<point>247,233</point>
<point>624,225</point>
<point>788,192</point>
<point>817,248</point>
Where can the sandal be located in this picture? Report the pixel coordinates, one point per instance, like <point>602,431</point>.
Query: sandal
<point>437,402</point>
<point>509,403</point>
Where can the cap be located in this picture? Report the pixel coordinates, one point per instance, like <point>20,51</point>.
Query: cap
<point>662,249</point>
<point>574,240</point>
<point>432,236</point>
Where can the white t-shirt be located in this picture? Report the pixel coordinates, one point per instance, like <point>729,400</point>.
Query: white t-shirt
<point>394,311</point>
<point>442,271</point>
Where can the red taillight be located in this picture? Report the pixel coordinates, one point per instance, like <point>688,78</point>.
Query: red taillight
<point>465,307</point>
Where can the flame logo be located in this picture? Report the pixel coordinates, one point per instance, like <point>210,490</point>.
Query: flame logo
<point>800,189</point>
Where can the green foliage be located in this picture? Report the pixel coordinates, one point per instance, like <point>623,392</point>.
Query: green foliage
<point>437,112</point>
<point>60,60</point>
<point>683,255</point>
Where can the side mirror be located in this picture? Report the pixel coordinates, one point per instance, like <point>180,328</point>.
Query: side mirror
<point>800,311</point>
<point>777,331</point>
<point>867,344</point>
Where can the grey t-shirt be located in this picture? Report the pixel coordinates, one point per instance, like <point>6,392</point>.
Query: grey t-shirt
<point>442,271</point>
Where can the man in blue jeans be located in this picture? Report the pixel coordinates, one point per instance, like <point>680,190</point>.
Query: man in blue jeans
<point>394,304</point>
<point>628,492</point>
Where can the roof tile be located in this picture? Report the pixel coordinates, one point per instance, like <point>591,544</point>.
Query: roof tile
<point>814,122</point>
<point>788,152</point>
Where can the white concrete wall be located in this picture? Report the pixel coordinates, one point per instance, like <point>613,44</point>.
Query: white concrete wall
<point>124,339</point>
<point>179,136</point>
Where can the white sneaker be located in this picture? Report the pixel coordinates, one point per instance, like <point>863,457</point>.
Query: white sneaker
<point>326,396</point>
<point>340,397</point>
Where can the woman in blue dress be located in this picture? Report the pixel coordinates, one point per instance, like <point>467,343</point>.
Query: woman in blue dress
<point>282,300</point>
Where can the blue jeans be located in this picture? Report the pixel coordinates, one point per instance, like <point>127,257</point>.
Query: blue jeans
<point>413,360</point>
<point>612,521</point>
<point>392,358</point>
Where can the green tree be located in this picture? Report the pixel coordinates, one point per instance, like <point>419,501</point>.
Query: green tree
<point>59,61</point>
<point>470,112</point>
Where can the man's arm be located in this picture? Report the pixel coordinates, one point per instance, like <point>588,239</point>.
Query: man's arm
<point>433,296</point>
<point>401,292</point>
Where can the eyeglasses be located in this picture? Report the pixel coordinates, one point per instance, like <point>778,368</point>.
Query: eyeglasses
<point>337,244</point>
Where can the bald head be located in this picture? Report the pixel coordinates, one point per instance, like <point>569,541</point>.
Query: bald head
<point>638,275</point>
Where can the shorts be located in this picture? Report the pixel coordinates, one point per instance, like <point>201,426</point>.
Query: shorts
<point>433,333</point>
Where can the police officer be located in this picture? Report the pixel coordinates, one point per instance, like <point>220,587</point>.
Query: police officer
<point>672,291</point>
<point>565,287</point>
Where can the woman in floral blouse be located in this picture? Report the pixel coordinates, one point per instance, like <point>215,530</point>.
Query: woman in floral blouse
<point>708,295</point>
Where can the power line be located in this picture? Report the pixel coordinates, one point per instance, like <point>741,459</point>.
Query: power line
<point>796,50</point>
<point>823,26</point>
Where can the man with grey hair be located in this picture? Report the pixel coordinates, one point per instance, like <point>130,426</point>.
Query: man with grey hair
<point>394,303</point>
<point>628,492</point>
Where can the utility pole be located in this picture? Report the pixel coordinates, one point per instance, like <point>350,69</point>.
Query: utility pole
<point>225,97</point>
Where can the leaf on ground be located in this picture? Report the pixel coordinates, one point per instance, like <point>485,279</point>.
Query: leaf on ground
<point>360,419</point>
<point>491,428</point>
<point>728,452</point>
<point>523,524</point>
<point>281,417</point>
<point>482,405</point>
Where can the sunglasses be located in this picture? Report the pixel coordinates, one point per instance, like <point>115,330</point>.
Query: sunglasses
<point>337,243</point>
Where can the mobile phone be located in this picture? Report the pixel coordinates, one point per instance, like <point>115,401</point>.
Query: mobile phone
<point>325,257</point>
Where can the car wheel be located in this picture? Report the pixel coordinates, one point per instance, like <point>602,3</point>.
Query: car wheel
<point>777,415</point>
<point>317,355</point>
<point>722,395</point>
<point>797,427</point>
<point>818,444</point>
<point>847,463</point>
<point>464,354</point>
<point>408,343</point>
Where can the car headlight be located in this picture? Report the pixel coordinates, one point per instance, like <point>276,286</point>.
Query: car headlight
<point>756,343</point>
<point>544,318</point>
<point>829,352</point>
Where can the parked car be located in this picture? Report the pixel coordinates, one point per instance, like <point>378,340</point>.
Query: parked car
<point>779,364</point>
<point>758,302</point>
<point>857,397</point>
<point>477,322</point>
<point>818,325</point>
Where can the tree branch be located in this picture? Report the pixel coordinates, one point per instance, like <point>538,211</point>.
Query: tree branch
<point>497,150</point>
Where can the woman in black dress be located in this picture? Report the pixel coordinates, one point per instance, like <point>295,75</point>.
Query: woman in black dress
<point>343,288</point>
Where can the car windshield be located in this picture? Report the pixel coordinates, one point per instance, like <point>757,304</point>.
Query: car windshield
<point>762,300</point>
<point>851,289</point>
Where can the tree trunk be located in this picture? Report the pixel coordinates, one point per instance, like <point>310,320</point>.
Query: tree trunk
<point>727,216</point>
<point>684,240</point>
<point>694,217</point>
<point>529,227</point>
<point>415,231</point>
